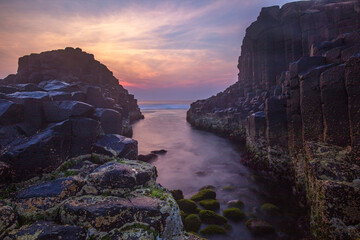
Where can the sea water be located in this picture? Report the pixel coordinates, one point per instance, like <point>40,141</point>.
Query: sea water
<point>197,158</point>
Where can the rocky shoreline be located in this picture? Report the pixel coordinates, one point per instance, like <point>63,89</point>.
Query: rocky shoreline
<point>68,169</point>
<point>296,105</point>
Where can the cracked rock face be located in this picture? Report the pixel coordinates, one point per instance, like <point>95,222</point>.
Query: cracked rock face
<point>298,84</point>
<point>105,197</point>
<point>46,92</point>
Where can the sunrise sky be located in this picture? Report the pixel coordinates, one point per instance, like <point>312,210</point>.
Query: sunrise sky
<point>159,50</point>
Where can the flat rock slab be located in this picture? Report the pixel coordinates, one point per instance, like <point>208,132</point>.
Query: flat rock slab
<point>48,230</point>
<point>116,146</point>
<point>56,85</point>
<point>106,213</point>
<point>118,176</point>
<point>46,195</point>
<point>57,111</point>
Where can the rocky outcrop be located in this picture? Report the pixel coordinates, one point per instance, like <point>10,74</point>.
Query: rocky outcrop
<point>91,197</point>
<point>295,106</point>
<point>59,105</point>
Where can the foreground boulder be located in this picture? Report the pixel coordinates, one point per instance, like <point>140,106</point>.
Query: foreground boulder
<point>105,197</point>
<point>117,146</point>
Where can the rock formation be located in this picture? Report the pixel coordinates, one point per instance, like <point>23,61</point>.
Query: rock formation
<point>62,104</point>
<point>296,107</point>
<point>66,169</point>
<point>91,197</point>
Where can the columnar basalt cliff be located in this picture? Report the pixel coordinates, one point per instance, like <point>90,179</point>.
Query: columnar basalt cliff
<point>296,106</point>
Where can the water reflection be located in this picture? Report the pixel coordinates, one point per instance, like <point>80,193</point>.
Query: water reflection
<point>196,158</point>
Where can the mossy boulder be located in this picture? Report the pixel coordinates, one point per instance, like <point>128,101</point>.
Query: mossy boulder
<point>235,204</point>
<point>270,208</point>
<point>207,187</point>
<point>210,204</point>
<point>259,227</point>
<point>183,215</point>
<point>203,195</point>
<point>234,214</point>
<point>213,230</point>
<point>192,223</point>
<point>177,194</point>
<point>228,188</point>
<point>211,217</point>
<point>228,226</point>
<point>188,206</point>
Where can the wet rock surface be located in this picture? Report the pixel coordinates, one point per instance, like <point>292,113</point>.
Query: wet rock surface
<point>297,89</point>
<point>58,105</point>
<point>104,197</point>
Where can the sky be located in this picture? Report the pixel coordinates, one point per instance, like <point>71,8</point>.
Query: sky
<point>159,50</point>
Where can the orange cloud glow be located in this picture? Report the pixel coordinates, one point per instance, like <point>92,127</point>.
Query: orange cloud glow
<point>155,44</point>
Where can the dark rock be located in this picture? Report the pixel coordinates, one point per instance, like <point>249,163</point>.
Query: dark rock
<point>106,213</point>
<point>159,152</point>
<point>6,173</point>
<point>39,198</point>
<point>352,71</point>
<point>177,194</point>
<point>60,96</point>
<point>8,218</point>
<point>10,112</point>
<point>113,175</point>
<point>28,87</point>
<point>42,152</point>
<point>8,89</point>
<point>259,227</point>
<point>57,111</point>
<point>147,158</point>
<point>59,86</point>
<point>42,230</point>
<point>21,97</point>
<point>117,146</point>
<point>84,133</point>
<point>111,121</point>
<point>335,113</point>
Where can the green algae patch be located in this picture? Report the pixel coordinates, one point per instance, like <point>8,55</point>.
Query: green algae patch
<point>228,188</point>
<point>211,217</point>
<point>270,208</point>
<point>234,214</point>
<point>192,223</point>
<point>213,230</point>
<point>210,204</point>
<point>188,206</point>
<point>203,195</point>
<point>235,204</point>
<point>259,227</point>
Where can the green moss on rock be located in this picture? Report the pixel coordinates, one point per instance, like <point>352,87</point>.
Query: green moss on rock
<point>235,204</point>
<point>211,217</point>
<point>270,208</point>
<point>203,195</point>
<point>259,227</point>
<point>213,230</point>
<point>234,214</point>
<point>192,223</point>
<point>228,188</point>
<point>210,204</point>
<point>188,206</point>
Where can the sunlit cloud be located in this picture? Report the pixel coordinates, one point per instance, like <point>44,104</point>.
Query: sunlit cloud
<point>147,44</point>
